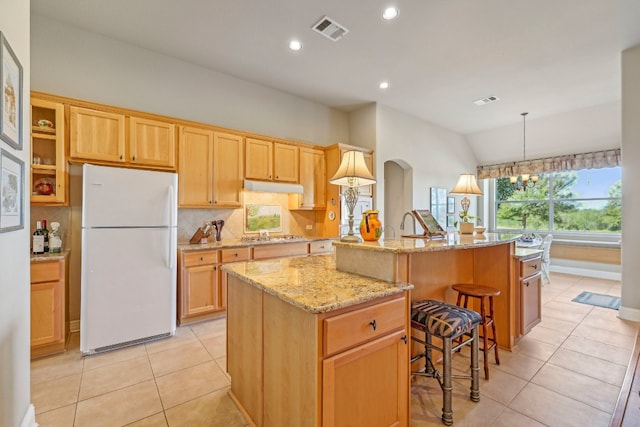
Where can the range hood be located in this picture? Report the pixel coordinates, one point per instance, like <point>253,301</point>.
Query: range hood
<point>272,187</point>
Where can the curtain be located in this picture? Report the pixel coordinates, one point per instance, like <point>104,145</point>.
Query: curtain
<point>595,160</point>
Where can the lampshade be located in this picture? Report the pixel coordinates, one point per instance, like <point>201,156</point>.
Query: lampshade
<point>467,185</point>
<point>353,171</point>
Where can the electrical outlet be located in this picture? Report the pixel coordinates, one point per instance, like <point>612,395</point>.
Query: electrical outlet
<point>309,227</point>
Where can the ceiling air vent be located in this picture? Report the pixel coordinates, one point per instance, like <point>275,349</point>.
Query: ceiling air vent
<point>487,100</point>
<point>330,28</point>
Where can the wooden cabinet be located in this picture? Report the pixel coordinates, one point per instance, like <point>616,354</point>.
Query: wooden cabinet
<point>530,287</point>
<point>271,161</point>
<point>318,247</point>
<point>313,178</point>
<point>48,164</point>
<point>201,285</point>
<point>279,250</point>
<point>152,142</point>
<point>48,280</point>
<point>210,168</point>
<point>360,378</point>
<point>96,135</point>
<point>101,136</point>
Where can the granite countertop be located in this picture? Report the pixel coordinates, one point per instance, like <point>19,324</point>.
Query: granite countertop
<point>238,243</point>
<point>526,252</point>
<point>312,283</point>
<point>449,242</point>
<point>50,256</point>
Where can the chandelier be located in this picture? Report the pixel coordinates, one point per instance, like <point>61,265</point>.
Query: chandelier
<point>525,180</point>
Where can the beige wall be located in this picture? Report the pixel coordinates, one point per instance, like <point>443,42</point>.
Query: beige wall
<point>630,306</point>
<point>14,251</point>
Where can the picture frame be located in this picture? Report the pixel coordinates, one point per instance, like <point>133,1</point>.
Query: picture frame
<point>11,192</point>
<point>262,217</point>
<point>10,95</point>
<point>451,205</point>
<point>451,221</point>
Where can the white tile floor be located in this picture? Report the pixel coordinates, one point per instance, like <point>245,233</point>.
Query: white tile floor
<point>566,372</point>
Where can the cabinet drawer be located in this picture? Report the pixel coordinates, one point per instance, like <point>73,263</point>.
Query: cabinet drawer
<point>350,329</point>
<point>45,271</point>
<point>199,258</point>
<point>321,247</point>
<point>529,267</point>
<point>279,250</point>
<point>235,254</point>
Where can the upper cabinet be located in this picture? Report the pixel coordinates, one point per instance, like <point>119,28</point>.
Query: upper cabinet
<point>101,136</point>
<point>210,168</point>
<point>48,165</point>
<point>313,178</point>
<point>152,142</point>
<point>271,161</point>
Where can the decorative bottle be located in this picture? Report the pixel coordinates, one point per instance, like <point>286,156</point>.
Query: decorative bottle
<point>38,240</point>
<point>370,226</point>
<point>45,230</point>
<point>55,239</point>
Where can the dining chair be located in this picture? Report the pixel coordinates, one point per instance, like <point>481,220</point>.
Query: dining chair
<point>546,259</point>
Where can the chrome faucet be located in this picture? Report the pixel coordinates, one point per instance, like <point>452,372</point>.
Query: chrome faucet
<point>404,217</point>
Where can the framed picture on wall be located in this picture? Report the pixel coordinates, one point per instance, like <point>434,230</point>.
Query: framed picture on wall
<point>451,205</point>
<point>10,96</point>
<point>262,217</point>
<point>11,192</point>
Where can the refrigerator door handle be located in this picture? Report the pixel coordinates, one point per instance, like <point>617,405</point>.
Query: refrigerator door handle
<point>171,253</point>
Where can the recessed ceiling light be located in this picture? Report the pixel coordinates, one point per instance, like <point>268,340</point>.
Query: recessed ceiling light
<point>295,45</point>
<point>384,85</point>
<point>390,13</point>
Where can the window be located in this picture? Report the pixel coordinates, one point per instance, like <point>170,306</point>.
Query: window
<point>584,201</point>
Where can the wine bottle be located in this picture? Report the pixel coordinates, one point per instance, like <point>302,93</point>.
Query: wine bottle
<point>38,239</point>
<point>45,230</point>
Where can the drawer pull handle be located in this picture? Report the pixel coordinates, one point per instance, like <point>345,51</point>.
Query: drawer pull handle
<point>404,338</point>
<point>373,324</point>
<point>526,284</point>
<point>534,266</point>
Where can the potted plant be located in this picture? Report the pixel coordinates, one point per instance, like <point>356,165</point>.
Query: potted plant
<point>466,222</point>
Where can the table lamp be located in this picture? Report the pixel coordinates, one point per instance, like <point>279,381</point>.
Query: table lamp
<point>466,186</point>
<point>352,173</point>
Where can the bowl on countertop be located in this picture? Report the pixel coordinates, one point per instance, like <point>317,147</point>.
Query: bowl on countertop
<point>479,230</point>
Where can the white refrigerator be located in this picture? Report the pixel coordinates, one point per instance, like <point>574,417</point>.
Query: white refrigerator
<point>128,278</point>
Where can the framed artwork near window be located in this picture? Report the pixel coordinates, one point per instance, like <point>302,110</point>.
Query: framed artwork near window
<point>451,205</point>
<point>438,205</point>
<point>10,96</point>
<point>11,192</point>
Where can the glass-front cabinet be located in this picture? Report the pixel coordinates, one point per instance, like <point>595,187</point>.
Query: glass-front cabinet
<point>48,165</point>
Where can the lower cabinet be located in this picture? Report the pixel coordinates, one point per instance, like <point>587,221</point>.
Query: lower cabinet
<point>530,287</point>
<point>327,369</point>
<point>48,279</point>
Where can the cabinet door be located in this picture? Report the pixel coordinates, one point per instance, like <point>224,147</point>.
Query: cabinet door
<point>48,164</point>
<point>46,313</point>
<point>227,170</point>
<point>96,135</point>
<point>152,143</point>
<point>368,385</point>
<point>531,302</point>
<point>313,179</point>
<point>200,290</point>
<point>195,171</point>
<point>285,162</point>
<point>367,190</point>
<point>259,159</point>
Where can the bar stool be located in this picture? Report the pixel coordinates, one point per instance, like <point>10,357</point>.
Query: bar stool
<point>482,292</point>
<point>447,322</point>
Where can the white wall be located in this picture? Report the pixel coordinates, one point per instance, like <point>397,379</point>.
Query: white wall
<point>581,131</point>
<point>14,259</point>
<point>630,306</point>
<point>71,62</point>
<point>436,156</point>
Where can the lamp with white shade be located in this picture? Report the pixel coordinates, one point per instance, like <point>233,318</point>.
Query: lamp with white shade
<point>466,186</point>
<point>352,173</point>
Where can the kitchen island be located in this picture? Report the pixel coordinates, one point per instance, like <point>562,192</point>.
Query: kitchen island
<point>432,266</point>
<point>308,345</point>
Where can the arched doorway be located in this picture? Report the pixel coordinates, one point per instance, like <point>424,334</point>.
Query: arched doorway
<point>398,191</point>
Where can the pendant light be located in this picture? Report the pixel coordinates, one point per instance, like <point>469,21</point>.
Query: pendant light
<point>521,182</point>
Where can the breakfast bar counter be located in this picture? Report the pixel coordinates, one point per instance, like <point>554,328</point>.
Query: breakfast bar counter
<point>308,345</point>
<point>432,266</point>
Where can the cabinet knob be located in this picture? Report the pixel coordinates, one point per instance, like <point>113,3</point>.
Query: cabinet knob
<point>373,324</point>
<point>120,156</point>
<point>404,338</point>
<point>534,266</point>
<point>134,158</point>
<point>526,284</point>
<point>236,254</point>
<point>210,202</point>
<point>201,258</point>
<point>277,177</point>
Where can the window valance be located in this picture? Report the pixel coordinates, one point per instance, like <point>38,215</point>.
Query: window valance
<point>594,160</point>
